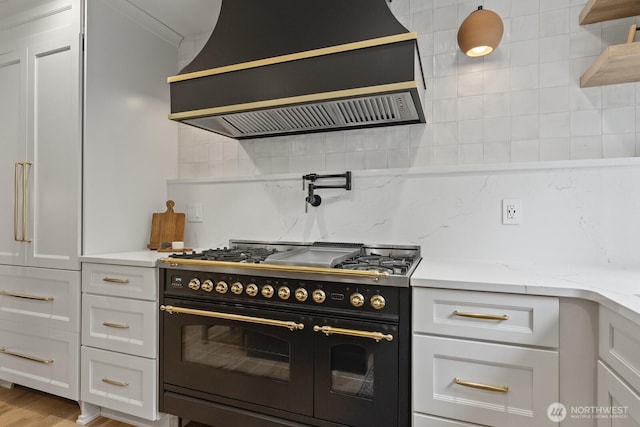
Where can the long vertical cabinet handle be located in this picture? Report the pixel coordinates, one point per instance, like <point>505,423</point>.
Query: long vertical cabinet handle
<point>24,202</point>
<point>15,201</point>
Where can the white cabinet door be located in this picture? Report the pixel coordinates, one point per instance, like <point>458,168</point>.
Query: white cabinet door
<point>40,137</point>
<point>620,403</point>
<point>13,149</point>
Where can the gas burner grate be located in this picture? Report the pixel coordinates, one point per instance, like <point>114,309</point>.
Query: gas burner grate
<point>381,263</point>
<point>247,255</point>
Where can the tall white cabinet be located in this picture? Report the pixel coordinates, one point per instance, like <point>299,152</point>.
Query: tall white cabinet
<point>40,195</point>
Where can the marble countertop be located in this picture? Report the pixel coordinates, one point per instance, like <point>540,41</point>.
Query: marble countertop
<point>615,288</point>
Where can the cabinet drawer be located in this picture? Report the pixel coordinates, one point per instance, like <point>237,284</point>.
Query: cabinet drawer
<point>120,382</point>
<point>531,376</point>
<point>46,360</point>
<point>518,319</point>
<point>620,345</point>
<point>120,281</point>
<point>123,325</point>
<point>40,297</point>
<point>615,394</point>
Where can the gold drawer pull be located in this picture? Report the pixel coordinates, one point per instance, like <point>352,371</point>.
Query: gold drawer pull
<point>114,382</point>
<point>498,389</point>
<point>25,296</point>
<point>25,356</point>
<point>115,325</point>
<point>115,280</point>
<point>328,330</point>
<point>481,315</point>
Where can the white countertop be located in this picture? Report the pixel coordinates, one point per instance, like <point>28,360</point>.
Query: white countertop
<point>617,289</point>
<point>142,258</point>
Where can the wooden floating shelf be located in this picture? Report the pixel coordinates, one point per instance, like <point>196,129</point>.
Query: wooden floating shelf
<point>605,10</point>
<point>619,63</point>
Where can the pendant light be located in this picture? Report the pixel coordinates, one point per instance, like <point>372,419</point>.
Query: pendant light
<point>480,33</point>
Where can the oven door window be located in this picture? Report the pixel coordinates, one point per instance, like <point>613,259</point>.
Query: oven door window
<point>237,349</point>
<point>352,370</point>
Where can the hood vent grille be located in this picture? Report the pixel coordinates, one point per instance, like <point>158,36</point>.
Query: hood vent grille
<point>363,111</point>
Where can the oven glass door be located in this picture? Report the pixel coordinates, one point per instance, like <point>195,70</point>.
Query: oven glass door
<point>356,372</point>
<point>239,353</point>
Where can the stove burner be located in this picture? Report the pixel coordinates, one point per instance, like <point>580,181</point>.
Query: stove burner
<point>250,255</point>
<point>380,263</point>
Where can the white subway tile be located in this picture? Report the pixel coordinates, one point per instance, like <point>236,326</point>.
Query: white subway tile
<point>619,145</point>
<point>555,149</point>
<point>619,120</point>
<point>586,147</point>
<point>586,122</point>
<point>525,151</point>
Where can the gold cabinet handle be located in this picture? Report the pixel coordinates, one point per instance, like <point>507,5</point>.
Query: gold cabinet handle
<point>498,389</point>
<point>15,201</point>
<point>329,330</point>
<point>115,280</point>
<point>115,325</point>
<point>25,296</point>
<point>24,202</point>
<point>114,382</point>
<point>481,315</point>
<point>26,356</point>
<point>227,316</point>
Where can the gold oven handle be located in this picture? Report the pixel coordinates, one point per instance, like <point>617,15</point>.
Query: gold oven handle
<point>481,315</point>
<point>498,389</point>
<point>329,330</point>
<point>25,356</point>
<point>25,296</point>
<point>237,317</point>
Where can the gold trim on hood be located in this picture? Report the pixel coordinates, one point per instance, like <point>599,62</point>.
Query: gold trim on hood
<point>323,96</point>
<point>296,56</point>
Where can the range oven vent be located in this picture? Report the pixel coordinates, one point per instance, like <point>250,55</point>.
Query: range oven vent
<point>341,114</point>
<point>282,67</point>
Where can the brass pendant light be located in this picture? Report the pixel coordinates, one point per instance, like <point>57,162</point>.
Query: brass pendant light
<point>480,33</point>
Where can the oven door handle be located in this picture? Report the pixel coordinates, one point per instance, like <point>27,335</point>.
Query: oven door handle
<point>329,330</point>
<point>292,326</point>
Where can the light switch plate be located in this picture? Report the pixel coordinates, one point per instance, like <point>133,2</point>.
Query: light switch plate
<point>195,212</point>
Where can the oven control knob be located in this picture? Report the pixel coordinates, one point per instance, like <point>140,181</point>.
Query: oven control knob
<point>302,294</point>
<point>222,287</point>
<point>267,291</point>
<point>319,296</point>
<point>284,292</point>
<point>252,289</point>
<point>357,299</point>
<point>194,284</point>
<point>237,288</point>
<point>378,302</point>
<point>207,285</point>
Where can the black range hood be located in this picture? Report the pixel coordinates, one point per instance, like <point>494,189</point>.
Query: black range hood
<point>277,67</point>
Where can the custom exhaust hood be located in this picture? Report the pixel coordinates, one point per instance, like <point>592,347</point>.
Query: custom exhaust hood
<point>282,67</point>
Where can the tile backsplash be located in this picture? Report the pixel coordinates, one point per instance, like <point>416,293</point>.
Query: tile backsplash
<point>522,103</point>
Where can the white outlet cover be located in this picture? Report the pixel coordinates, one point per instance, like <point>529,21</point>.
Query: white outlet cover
<point>512,211</point>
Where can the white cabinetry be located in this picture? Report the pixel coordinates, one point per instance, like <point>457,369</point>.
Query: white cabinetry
<point>484,358</point>
<point>618,371</point>
<point>119,343</point>
<point>40,140</point>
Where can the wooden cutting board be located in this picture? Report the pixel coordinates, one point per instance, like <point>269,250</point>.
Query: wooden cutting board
<point>166,227</point>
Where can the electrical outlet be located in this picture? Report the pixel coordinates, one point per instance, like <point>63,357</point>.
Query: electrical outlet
<point>194,212</point>
<point>512,211</point>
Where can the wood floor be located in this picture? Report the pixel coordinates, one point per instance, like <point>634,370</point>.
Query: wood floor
<point>23,407</point>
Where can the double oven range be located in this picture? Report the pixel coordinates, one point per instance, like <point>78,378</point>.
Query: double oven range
<point>272,334</point>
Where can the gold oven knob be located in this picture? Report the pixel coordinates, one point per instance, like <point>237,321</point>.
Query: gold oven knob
<point>237,288</point>
<point>356,299</point>
<point>194,284</point>
<point>267,291</point>
<point>319,296</point>
<point>284,292</point>
<point>302,294</point>
<point>207,285</point>
<point>252,289</point>
<point>222,287</point>
<point>378,302</point>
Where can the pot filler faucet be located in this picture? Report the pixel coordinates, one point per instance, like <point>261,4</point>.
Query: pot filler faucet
<point>315,200</point>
